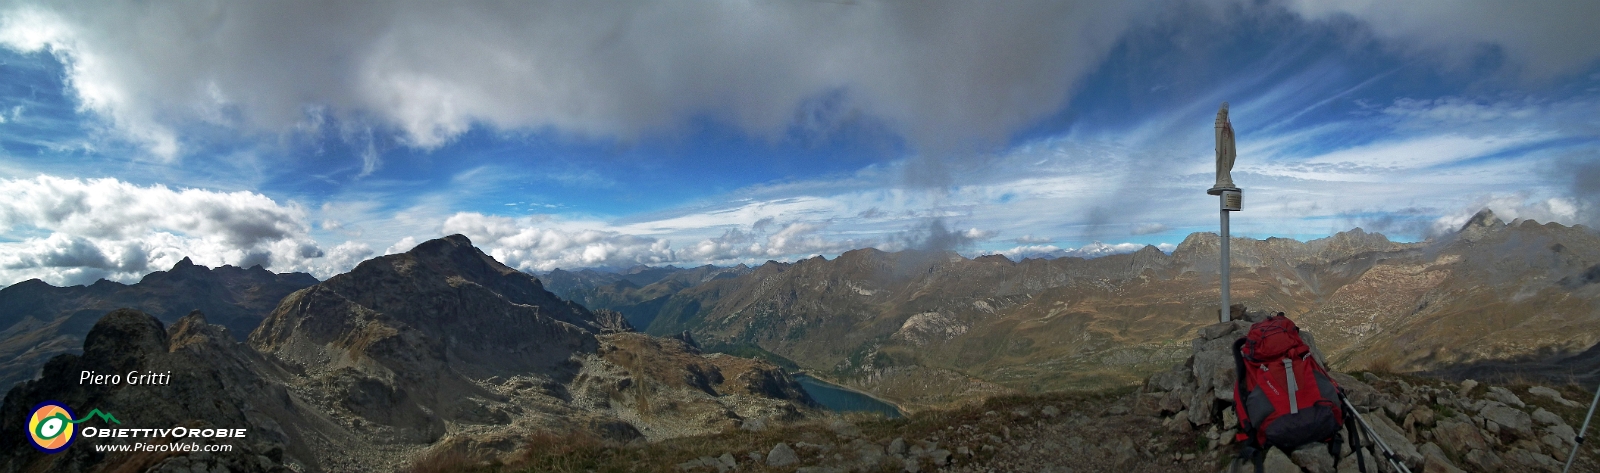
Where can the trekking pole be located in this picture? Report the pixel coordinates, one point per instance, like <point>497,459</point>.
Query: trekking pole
<point>1579,443</point>
<point>1373,434</point>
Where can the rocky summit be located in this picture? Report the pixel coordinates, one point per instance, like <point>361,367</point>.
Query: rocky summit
<point>439,351</point>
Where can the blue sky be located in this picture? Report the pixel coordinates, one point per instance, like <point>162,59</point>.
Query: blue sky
<point>310,136</point>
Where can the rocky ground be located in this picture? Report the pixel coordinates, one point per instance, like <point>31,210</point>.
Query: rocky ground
<point>1179,421</point>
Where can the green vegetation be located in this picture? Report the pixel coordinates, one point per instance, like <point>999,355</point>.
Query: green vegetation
<point>1444,412</point>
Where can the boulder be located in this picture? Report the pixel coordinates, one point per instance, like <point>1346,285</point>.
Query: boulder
<point>871,454</point>
<point>1173,401</point>
<point>1484,460</point>
<point>1313,458</point>
<point>781,455</point>
<point>911,466</point>
<point>1563,431</point>
<point>1435,460</point>
<point>1359,393</point>
<point>1459,436</point>
<point>1396,440</point>
<point>1552,395</point>
<point>1544,417</point>
<point>897,446</point>
<point>1348,463</point>
<point>1167,381</point>
<point>1504,395</point>
<point>1466,388</point>
<point>1148,404</point>
<point>1212,368</point>
<point>1277,462</point>
<point>1440,464</point>
<point>1517,422</point>
<point>1558,447</point>
<point>1424,416</point>
<point>1523,460</point>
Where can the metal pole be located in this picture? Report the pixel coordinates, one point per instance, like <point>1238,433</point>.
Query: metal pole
<point>1226,313</point>
<point>1373,434</point>
<point>1579,443</point>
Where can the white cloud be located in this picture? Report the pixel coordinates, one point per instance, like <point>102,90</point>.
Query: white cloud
<point>94,75</point>
<point>522,245</point>
<point>342,258</point>
<point>73,231</point>
<point>402,246</point>
<point>112,209</point>
<point>1098,249</point>
<point>756,245</point>
<point>1030,239</point>
<point>1508,207</point>
<point>1376,160</point>
<point>1092,250</point>
<point>935,73</point>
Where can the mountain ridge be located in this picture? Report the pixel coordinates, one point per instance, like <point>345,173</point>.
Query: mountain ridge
<point>39,320</point>
<point>897,324</point>
<point>440,350</point>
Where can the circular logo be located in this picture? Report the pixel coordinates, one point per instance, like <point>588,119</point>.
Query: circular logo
<point>50,426</point>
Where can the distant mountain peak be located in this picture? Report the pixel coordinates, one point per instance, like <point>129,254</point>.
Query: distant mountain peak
<point>1484,219</point>
<point>445,243</point>
<point>183,263</point>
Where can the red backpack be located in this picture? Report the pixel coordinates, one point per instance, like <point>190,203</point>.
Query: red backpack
<point>1283,395</point>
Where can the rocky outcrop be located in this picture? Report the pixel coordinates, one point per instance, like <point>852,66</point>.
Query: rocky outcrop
<point>1432,425</point>
<point>213,382</point>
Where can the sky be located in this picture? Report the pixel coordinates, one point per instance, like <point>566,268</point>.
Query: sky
<point>309,136</point>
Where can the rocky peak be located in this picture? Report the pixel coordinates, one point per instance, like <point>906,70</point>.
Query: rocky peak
<point>454,255</point>
<point>1483,219</point>
<point>194,329</point>
<point>441,310</point>
<point>994,258</point>
<point>183,270</point>
<point>122,339</point>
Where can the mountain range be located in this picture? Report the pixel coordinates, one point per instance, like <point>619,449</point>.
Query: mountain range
<point>437,351</point>
<point>928,328</point>
<point>442,350</point>
<point>39,321</point>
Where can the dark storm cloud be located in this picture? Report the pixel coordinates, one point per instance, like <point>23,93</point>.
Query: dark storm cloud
<point>1541,39</point>
<point>1581,171</point>
<point>933,235</point>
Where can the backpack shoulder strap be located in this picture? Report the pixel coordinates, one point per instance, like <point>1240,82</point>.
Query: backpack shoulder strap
<point>1241,388</point>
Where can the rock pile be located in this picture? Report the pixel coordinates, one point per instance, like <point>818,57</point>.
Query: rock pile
<point>857,454</point>
<point>1432,425</point>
